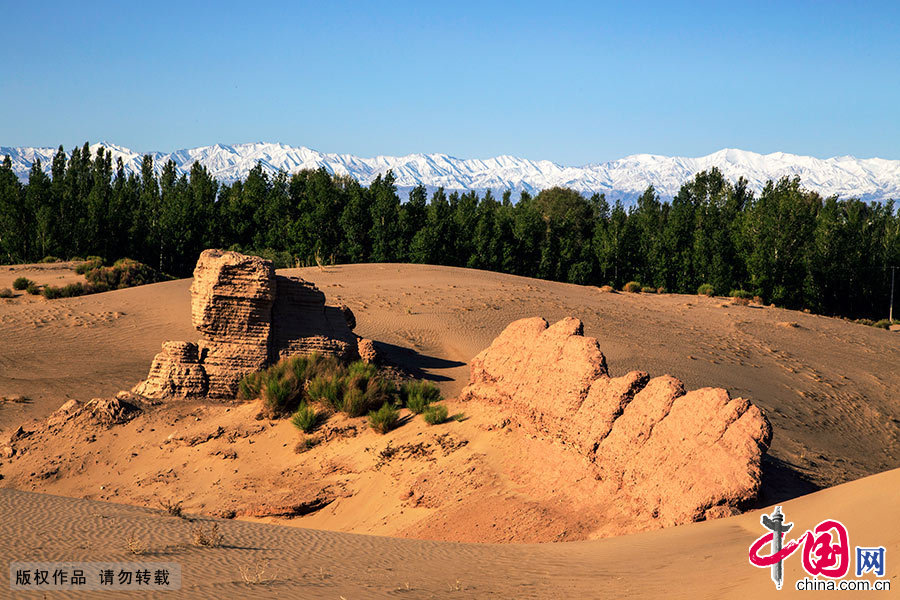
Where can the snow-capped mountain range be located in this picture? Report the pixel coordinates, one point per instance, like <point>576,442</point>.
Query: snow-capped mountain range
<point>625,178</point>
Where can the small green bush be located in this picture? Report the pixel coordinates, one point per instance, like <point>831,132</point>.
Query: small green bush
<point>33,289</point>
<point>72,290</point>
<point>6,293</point>
<point>742,294</point>
<point>648,290</point>
<point>250,386</point>
<point>435,414</point>
<point>22,283</point>
<point>706,290</point>
<point>632,287</point>
<point>417,395</point>
<point>329,390</point>
<point>384,419</point>
<point>51,259</point>
<point>305,418</point>
<point>883,323</point>
<point>124,273</point>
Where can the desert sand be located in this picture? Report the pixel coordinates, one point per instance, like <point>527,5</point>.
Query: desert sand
<point>829,388</point>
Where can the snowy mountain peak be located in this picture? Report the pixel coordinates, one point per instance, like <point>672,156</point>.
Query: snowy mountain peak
<point>625,178</point>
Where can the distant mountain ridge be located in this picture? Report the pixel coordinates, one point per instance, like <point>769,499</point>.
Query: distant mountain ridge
<point>625,178</point>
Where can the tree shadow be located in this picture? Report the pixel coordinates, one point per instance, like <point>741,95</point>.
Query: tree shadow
<point>781,481</point>
<point>415,363</point>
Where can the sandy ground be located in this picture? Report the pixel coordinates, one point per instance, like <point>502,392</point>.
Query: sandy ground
<point>828,386</point>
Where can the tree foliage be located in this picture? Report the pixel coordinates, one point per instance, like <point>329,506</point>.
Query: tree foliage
<point>787,245</point>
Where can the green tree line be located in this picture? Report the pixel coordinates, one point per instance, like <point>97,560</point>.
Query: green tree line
<point>786,244</point>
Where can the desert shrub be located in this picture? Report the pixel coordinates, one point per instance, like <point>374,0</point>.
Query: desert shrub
<point>882,324</point>
<point>648,290</point>
<point>92,262</point>
<point>172,507</point>
<point>305,418</point>
<point>743,294</point>
<point>306,444</point>
<point>250,386</point>
<point>435,414</point>
<point>362,369</point>
<point>124,273</point>
<point>22,283</point>
<point>706,289</point>
<point>208,536</point>
<point>51,259</point>
<point>6,293</point>
<point>661,290</point>
<point>33,289</point>
<point>384,419</point>
<point>67,291</point>
<point>758,300</point>
<point>417,395</point>
<point>284,387</point>
<point>354,402</point>
<point>328,390</point>
<point>632,287</point>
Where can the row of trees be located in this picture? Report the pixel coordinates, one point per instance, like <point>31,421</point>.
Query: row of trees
<point>786,244</point>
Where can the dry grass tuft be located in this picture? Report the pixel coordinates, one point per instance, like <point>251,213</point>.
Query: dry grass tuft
<point>208,537</point>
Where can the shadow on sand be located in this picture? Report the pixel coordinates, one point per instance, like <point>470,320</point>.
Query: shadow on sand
<point>781,481</point>
<point>416,364</point>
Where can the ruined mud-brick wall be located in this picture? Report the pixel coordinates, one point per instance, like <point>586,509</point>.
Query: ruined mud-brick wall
<point>248,317</point>
<point>673,456</point>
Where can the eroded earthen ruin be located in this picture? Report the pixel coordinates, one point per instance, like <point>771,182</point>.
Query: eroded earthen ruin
<point>673,455</point>
<point>248,317</point>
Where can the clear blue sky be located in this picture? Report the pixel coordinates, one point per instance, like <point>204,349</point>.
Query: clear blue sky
<point>570,82</point>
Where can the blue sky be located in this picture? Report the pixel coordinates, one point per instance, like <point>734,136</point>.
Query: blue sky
<point>570,82</point>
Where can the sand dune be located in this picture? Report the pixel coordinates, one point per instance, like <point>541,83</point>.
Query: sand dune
<point>829,388</point>
<point>701,560</point>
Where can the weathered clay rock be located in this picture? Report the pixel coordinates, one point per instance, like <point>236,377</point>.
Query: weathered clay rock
<point>63,413</point>
<point>367,351</point>
<point>674,456</point>
<point>248,317</point>
<point>175,372</point>
<point>231,306</point>
<point>303,324</point>
<point>111,411</point>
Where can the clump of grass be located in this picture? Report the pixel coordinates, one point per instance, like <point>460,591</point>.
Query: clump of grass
<point>91,263</point>
<point>51,259</point>
<point>417,395</point>
<point>354,389</point>
<point>632,287</point>
<point>171,507</point>
<point>72,290</point>
<point>209,537</point>
<point>884,323</point>
<point>435,414</point>
<point>305,418</point>
<point>706,289</point>
<point>743,294</point>
<point>124,273</point>
<point>648,290</point>
<point>608,289</point>
<point>6,293</point>
<point>306,444</point>
<point>384,419</point>
<point>33,289</point>
<point>22,283</point>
